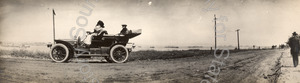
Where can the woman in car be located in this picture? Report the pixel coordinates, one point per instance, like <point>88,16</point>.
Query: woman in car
<point>98,30</point>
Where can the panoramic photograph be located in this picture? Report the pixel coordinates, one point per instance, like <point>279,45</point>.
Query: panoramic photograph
<point>149,41</point>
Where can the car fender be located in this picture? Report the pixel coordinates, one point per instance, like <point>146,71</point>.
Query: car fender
<point>70,47</point>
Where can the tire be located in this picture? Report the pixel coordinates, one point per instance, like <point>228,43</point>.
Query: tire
<point>60,53</point>
<point>118,54</point>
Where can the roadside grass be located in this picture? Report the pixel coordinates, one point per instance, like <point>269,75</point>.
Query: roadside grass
<point>153,55</point>
<point>137,55</point>
<point>4,52</point>
<point>25,53</point>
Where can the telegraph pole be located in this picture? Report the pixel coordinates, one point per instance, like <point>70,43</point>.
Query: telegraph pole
<point>53,13</point>
<point>215,32</point>
<point>238,38</point>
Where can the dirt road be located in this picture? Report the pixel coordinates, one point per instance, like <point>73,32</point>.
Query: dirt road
<point>260,66</point>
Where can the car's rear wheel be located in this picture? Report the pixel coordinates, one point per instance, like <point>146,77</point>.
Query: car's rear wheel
<point>60,53</point>
<point>118,54</point>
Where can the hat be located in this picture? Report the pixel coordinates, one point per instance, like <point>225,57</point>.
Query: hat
<point>294,33</point>
<point>100,23</point>
<point>124,25</point>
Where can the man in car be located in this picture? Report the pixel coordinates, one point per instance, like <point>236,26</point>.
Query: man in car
<point>124,30</point>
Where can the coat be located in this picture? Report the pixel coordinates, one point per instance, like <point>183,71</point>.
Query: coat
<point>294,43</point>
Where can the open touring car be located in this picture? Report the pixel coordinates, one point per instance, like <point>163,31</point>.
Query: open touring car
<point>114,48</point>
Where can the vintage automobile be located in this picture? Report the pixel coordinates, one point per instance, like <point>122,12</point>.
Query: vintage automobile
<point>114,48</point>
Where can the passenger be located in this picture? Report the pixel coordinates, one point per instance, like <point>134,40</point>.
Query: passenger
<point>294,44</point>
<point>98,30</point>
<point>124,30</point>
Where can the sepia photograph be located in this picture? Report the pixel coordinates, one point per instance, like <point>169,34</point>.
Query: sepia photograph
<point>149,41</point>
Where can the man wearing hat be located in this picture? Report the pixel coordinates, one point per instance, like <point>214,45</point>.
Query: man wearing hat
<point>294,44</point>
<point>124,30</point>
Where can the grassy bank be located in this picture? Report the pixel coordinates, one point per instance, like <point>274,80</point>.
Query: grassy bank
<point>138,55</point>
<point>152,54</point>
<point>25,54</point>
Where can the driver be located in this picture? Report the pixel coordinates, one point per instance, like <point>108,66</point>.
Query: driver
<point>98,30</point>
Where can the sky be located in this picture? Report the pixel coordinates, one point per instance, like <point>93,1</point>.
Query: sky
<point>163,22</point>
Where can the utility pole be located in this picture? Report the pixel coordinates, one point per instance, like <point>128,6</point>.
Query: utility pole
<point>215,32</point>
<point>53,12</point>
<point>238,38</point>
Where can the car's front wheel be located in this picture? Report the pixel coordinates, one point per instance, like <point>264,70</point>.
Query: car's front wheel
<point>60,53</point>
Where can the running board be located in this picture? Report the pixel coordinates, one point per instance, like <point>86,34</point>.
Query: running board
<point>92,55</point>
